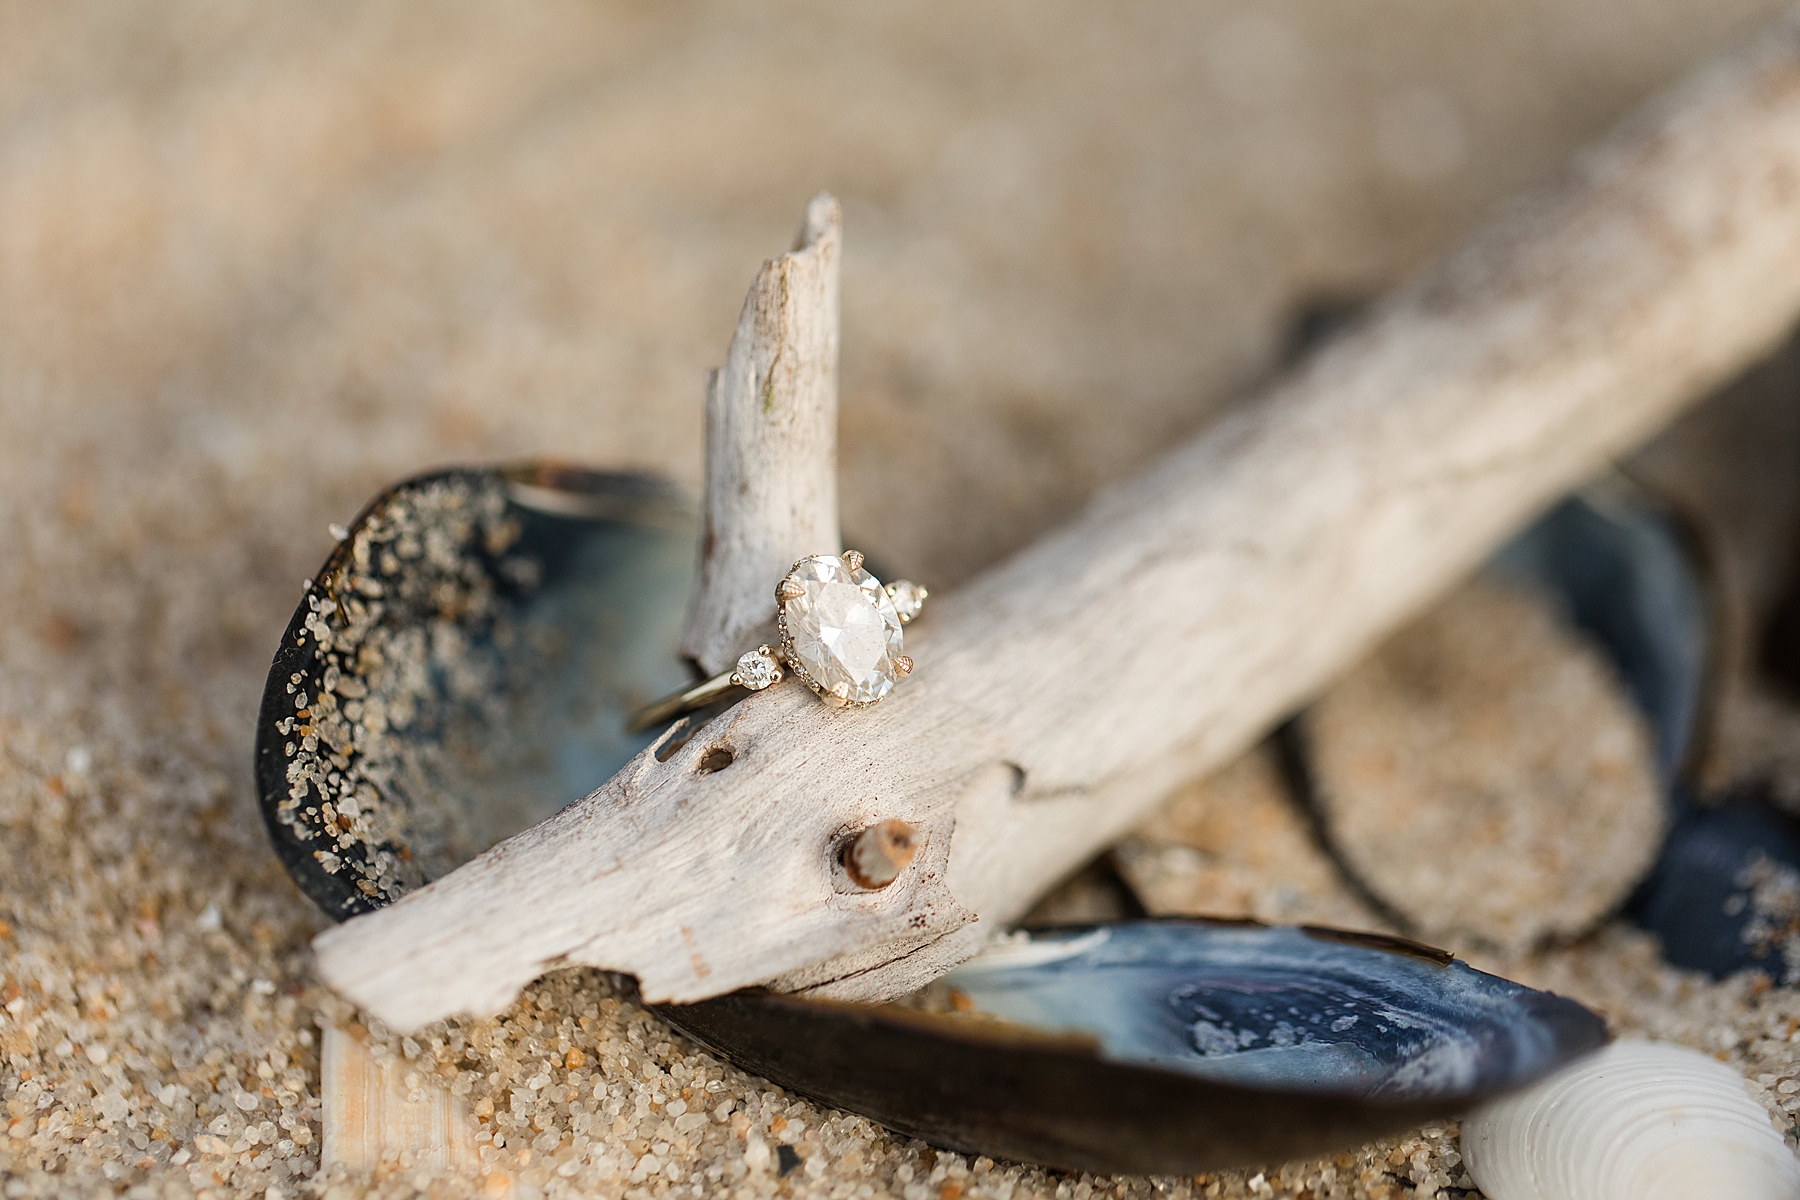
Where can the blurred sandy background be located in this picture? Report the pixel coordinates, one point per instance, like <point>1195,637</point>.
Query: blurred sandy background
<point>257,261</point>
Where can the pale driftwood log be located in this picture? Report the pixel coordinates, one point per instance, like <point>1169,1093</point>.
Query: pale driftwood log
<point>1060,695</point>
<point>371,1115</point>
<point>771,445</point>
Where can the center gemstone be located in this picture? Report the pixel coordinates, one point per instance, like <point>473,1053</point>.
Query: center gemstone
<point>842,631</point>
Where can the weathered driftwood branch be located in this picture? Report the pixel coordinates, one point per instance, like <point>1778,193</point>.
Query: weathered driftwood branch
<point>771,445</point>
<point>1061,694</point>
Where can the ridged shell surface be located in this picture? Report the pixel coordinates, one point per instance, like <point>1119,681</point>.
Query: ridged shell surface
<point>1637,1121</point>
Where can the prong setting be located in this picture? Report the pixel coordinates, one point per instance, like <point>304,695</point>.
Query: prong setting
<point>789,588</point>
<point>853,559</point>
<point>903,665</point>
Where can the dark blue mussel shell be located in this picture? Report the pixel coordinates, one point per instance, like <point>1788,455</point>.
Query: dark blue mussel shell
<point>1624,571</point>
<point>1700,897</point>
<point>1310,1010</point>
<point>1165,1046</point>
<point>462,667</point>
<point>1627,574</point>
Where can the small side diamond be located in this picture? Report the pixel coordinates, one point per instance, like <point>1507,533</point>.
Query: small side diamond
<point>757,670</point>
<point>909,598</point>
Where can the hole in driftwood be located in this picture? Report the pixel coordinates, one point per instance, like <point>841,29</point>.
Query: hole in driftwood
<point>677,738</point>
<point>716,759</point>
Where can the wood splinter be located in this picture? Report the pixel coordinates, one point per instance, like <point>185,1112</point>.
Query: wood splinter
<point>771,445</point>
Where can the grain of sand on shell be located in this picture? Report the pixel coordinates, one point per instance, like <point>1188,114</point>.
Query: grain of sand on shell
<point>256,263</point>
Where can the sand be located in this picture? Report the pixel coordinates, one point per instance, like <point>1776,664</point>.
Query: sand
<point>1238,843</point>
<point>255,263</point>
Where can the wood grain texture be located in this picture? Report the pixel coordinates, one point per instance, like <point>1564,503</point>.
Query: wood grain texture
<point>1061,694</point>
<point>771,445</point>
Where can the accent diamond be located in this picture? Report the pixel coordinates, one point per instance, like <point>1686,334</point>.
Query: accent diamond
<point>909,598</point>
<point>842,631</point>
<point>757,670</point>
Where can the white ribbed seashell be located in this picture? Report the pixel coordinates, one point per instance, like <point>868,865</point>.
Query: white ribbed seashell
<point>1635,1121</point>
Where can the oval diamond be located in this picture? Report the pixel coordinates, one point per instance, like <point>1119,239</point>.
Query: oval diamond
<point>842,630</point>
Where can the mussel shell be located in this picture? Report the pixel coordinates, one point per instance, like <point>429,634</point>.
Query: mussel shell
<point>1165,1046</point>
<point>1700,898</point>
<point>462,667</point>
<point>1628,571</point>
<point>1625,571</point>
<point>1630,575</point>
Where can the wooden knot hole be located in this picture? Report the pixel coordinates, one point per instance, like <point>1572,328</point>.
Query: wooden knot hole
<point>875,857</point>
<point>716,759</point>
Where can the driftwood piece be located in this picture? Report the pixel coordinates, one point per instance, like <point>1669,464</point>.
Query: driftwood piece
<point>771,445</point>
<point>1060,695</point>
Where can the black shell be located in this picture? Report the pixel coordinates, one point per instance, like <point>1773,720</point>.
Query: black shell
<point>1165,1046</point>
<point>462,667</point>
<point>1626,571</point>
<point>1631,575</point>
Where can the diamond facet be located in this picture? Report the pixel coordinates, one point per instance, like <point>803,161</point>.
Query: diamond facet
<point>909,598</point>
<point>757,670</point>
<point>842,632</point>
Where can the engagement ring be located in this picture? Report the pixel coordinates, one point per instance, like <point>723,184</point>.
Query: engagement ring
<point>840,635</point>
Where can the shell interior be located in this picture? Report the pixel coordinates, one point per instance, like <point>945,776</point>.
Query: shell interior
<point>1164,1046</point>
<point>462,667</point>
<point>1281,1008</point>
